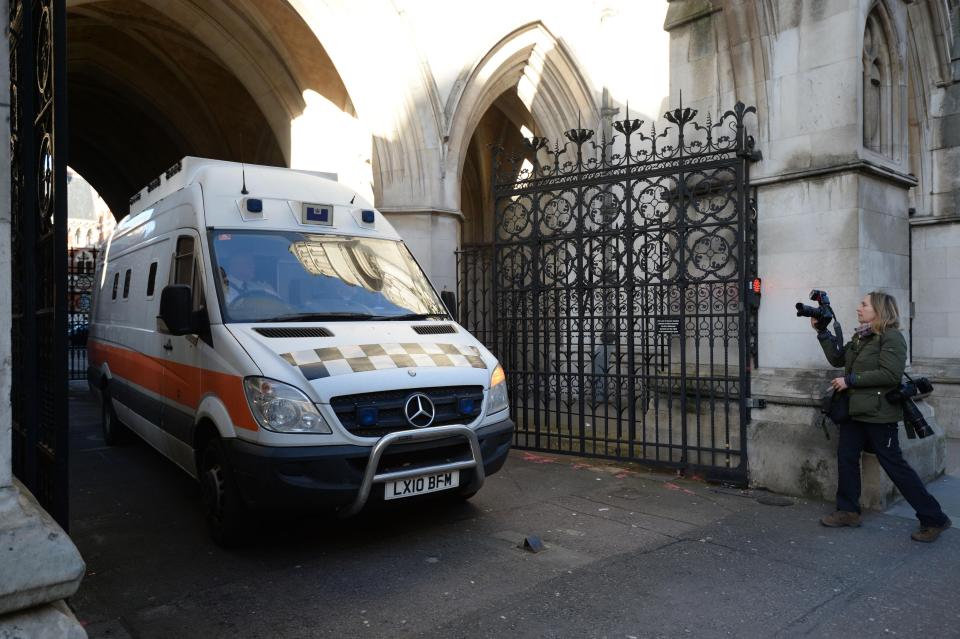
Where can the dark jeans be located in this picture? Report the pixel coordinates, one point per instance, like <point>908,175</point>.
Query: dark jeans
<point>883,441</point>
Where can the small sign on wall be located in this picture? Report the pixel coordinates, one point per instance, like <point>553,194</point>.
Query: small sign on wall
<point>667,326</point>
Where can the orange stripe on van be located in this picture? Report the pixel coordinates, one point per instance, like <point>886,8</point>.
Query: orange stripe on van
<point>186,385</point>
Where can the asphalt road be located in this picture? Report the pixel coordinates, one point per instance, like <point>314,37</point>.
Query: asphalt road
<point>629,553</point>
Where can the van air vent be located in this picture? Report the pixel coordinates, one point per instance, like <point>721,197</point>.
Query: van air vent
<point>294,331</point>
<point>434,329</point>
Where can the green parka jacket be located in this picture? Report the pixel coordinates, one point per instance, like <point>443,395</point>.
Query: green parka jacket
<point>872,366</point>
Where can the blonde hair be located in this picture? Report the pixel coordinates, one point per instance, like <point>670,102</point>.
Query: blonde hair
<point>887,312</point>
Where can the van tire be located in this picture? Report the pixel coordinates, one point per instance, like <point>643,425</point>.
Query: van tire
<point>225,511</point>
<point>115,433</point>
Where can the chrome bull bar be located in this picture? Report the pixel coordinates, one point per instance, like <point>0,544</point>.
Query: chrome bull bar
<point>370,476</point>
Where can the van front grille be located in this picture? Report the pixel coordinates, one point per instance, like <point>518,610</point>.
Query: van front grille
<point>389,408</point>
<point>294,331</point>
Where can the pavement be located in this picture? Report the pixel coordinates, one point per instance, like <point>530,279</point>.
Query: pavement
<point>629,553</point>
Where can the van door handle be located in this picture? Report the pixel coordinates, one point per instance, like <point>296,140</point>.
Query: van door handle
<point>168,346</point>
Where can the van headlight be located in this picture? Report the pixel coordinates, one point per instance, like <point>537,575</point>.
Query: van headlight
<point>497,400</point>
<point>282,408</point>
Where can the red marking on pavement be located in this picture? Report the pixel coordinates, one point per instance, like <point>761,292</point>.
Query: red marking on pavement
<point>673,486</point>
<point>538,459</point>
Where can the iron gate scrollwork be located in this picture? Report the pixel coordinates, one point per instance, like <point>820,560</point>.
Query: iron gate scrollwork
<point>80,272</point>
<point>613,291</point>
<point>39,250</point>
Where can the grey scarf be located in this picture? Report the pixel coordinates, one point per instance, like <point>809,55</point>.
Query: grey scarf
<point>863,331</point>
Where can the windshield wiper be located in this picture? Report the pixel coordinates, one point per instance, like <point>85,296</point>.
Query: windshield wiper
<point>413,316</point>
<point>320,317</point>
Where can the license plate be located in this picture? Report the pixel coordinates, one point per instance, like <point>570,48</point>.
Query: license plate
<point>421,485</point>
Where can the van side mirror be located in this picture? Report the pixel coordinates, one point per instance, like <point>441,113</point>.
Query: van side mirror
<point>176,309</point>
<point>449,299</point>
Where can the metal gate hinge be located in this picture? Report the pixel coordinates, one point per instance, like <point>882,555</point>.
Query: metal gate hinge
<point>756,402</point>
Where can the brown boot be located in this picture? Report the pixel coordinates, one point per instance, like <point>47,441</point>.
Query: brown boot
<point>928,534</point>
<point>841,518</point>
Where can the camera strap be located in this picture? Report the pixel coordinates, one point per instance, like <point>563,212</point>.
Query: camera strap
<point>922,384</point>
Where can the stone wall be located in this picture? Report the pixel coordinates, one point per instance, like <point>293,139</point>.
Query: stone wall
<point>856,123</point>
<point>936,288</point>
<point>790,451</point>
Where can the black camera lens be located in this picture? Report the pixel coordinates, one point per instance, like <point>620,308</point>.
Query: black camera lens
<point>914,421</point>
<point>809,311</point>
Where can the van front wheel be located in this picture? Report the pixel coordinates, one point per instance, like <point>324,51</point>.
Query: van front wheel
<point>225,510</point>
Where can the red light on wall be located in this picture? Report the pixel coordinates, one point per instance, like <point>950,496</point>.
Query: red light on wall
<point>755,285</point>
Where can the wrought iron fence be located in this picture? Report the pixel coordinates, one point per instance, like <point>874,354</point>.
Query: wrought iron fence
<point>613,291</point>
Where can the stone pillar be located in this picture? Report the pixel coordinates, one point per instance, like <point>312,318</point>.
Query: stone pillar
<point>936,254</point>
<point>433,238</point>
<point>39,565</point>
<point>833,212</point>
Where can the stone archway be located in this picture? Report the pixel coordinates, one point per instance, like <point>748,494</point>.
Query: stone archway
<point>504,124</point>
<point>151,82</point>
<point>527,80</point>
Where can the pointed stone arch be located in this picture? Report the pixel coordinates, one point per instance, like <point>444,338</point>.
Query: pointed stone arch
<point>221,80</point>
<point>883,84</point>
<point>539,69</point>
<point>928,69</point>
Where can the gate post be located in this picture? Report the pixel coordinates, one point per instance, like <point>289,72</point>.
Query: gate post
<point>39,565</point>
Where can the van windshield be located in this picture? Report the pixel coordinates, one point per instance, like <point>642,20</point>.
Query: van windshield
<point>277,276</point>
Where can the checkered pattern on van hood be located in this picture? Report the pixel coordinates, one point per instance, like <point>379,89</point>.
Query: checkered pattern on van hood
<point>342,360</point>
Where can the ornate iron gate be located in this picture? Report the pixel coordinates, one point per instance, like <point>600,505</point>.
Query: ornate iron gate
<point>613,292</point>
<point>39,250</point>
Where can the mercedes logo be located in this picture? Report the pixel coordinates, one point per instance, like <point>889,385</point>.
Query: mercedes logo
<point>419,410</point>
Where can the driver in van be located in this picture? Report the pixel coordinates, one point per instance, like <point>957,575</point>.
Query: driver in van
<point>240,278</point>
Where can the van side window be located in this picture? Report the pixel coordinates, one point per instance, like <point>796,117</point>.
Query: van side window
<point>183,261</point>
<point>152,279</point>
<point>126,284</point>
<point>116,282</point>
<point>185,271</point>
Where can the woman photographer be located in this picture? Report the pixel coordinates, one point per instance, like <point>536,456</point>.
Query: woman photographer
<point>873,363</point>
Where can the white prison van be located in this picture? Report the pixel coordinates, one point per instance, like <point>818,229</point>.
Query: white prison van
<point>269,332</point>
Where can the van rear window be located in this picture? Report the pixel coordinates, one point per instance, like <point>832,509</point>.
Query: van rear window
<point>126,284</point>
<point>152,279</point>
<point>116,282</point>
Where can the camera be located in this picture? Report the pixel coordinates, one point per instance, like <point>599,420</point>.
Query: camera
<point>910,388</point>
<point>823,313</point>
<point>914,422</point>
